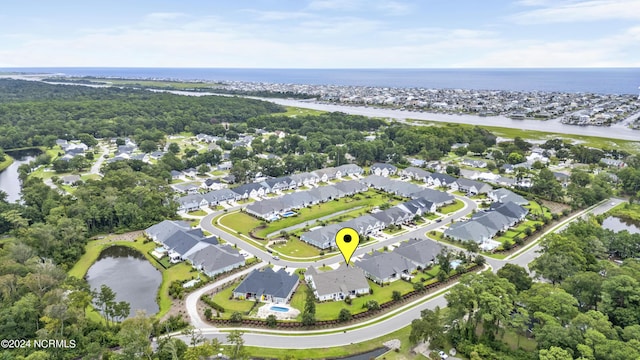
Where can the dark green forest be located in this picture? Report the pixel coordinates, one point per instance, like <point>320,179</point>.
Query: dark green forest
<point>35,114</point>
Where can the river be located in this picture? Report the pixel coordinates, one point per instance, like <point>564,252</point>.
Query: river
<point>616,131</point>
<point>9,181</point>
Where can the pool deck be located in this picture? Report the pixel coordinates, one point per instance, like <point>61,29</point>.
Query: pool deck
<point>265,311</point>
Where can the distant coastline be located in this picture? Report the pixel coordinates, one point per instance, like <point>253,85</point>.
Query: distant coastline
<point>568,80</point>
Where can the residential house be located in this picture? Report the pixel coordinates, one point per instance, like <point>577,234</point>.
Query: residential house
<point>439,198</point>
<point>225,165</point>
<point>267,285</point>
<point>419,206</point>
<point>385,267</point>
<point>422,252</point>
<point>251,190</point>
<point>383,169</point>
<point>305,179</point>
<point>157,155</point>
<point>175,175</point>
<point>613,163</point>
<point>474,163</point>
<point>219,196</point>
<point>349,170</point>
<point>216,259</point>
<point>504,196</point>
<point>471,187</point>
<point>186,188</point>
<point>191,202</point>
<point>70,179</point>
<point>416,174</point>
<point>190,172</point>
<point>326,174</point>
<point>337,284</point>
<point>323,237</point>
<point>441,180</point>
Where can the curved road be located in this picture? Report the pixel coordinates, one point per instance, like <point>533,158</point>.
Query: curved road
<point>360,332</point>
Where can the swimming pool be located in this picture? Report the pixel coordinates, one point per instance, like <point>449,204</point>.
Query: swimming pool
<point>455,264</point>
<point>288,214</point>
<point>279,309</point>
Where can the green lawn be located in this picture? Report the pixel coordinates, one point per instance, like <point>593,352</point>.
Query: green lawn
<point>223,298</point>
<point>297,248</point>
<point>459,204</point>
<point>8,160</point>
<point>537,209</point>
<point>296,111</point>
<point>197,213</point>
<point>239,221</point>
<point>626,211</point>
<point>329,310</point>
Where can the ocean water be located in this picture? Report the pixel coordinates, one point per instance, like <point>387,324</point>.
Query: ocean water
<point>573,80</point>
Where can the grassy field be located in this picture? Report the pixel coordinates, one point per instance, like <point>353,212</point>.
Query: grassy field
<point>296,111</point>
<point>459,204</point>
<point>297,248</point>
<point>537,209</point>
<point>231,305</point>
<point>180,271</point>
<point>8,160</point>
<point>197,213</point>
<point>329,310</point>
<point>627,211</point>
<point>591,141</point>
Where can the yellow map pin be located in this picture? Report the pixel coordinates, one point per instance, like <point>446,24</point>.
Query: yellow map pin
<point>347,240</point>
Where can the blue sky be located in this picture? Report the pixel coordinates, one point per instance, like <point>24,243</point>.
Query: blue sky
<point>321,33</point>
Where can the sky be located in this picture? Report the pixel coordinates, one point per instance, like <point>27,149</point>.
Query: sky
<point>320,33</point>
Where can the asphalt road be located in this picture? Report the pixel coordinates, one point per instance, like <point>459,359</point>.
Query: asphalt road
<point>400,317</point>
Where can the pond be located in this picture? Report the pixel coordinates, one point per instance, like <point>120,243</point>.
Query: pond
<point>9,181</point>
<point>128,273</point>
<point>617,224</point>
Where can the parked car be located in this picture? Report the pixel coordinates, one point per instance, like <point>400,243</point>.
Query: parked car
<point>276,257</point>
<point>443,355</point>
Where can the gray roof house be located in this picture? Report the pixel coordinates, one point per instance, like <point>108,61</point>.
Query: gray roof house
<point>418,206</point>
<point>186,188</point>
<point>305,178</point>
<point>511,210</point>
<point>349,169</point>
<point>162,230</point>
<point>383,169</point>
<point>191,202</point>
<point>337,284</point>
<point>325,174</point>
<point>393,215</point>
<point>439,198</point>
<point>216,259</point>
<point>323,238</point>
<point>217,196</point>
<point>266,209</point>
<point>469,231</point>
<point>504,196</point>
<point>472,187</point>
<point>70,179</point>
<point>439,179</point>
<point>268,286</point>
<point>474,163</point>
<point>180,242</point>
<point>251,190</point>
<point>325,193</point>
<point>416,173</point>
<point>384,267</point>
<point>365,224</point>
<point>422,252</point>
<point>351,187</point>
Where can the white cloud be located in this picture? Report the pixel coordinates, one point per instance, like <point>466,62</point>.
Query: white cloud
<point>580,11</point>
